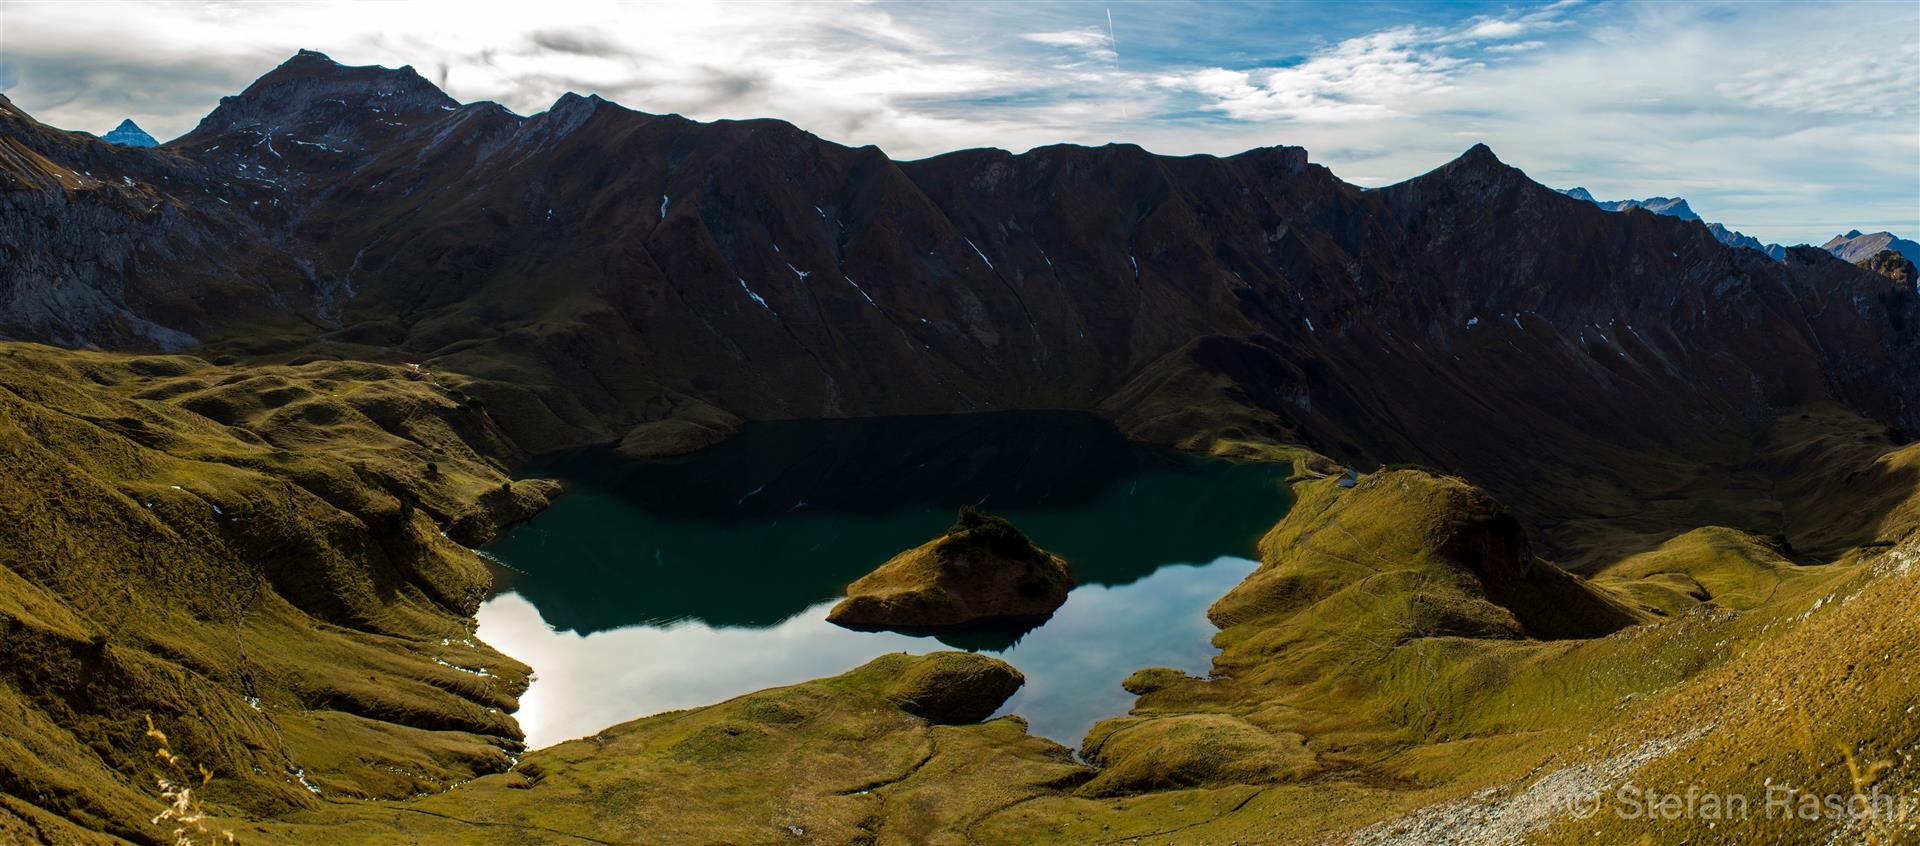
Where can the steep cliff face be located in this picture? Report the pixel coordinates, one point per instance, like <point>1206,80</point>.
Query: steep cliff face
<point>598,269</point>
<point>132,247</point>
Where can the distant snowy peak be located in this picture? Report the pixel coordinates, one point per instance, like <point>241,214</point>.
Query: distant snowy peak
<point>129,134</point>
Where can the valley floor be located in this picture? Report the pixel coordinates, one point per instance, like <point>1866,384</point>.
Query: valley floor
<point>272,563</point>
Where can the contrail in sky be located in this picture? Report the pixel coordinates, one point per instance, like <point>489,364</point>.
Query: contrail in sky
<point>1115,44</point>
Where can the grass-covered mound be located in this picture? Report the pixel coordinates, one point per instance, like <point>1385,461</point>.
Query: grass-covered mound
<point>1400,648</point>
<point>847,759</point>
<point>254,558</point>
<point>980,570</point>
<point>1731,568</point>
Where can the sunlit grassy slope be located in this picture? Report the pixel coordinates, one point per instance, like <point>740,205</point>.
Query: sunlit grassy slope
<point>271,560</point>
<point>255,558</point>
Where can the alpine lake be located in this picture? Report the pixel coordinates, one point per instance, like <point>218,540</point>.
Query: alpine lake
<point>662,585</point>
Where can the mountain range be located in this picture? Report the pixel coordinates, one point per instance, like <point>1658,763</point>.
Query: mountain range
<point>1856,246</point>
<point>351,308</point>
<point>1852,246</point>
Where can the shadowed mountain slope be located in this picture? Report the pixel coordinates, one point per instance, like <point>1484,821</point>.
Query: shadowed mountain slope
<point>598,268</point>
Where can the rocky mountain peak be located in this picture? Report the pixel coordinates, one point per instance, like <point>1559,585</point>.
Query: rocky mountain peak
<point>1476,169</point>
<point>1856,246</point>
<point>129,134</point>
<point>1669,206</point>
<point>1478,156</point>
<point>314,93</point>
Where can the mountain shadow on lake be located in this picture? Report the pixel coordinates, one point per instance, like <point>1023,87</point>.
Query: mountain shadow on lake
<point>784,515</point>
<point>1006,460</point>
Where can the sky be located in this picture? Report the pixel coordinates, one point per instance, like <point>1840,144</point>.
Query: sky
<point>1788,121</point>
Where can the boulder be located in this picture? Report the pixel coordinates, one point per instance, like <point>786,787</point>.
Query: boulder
<point>981,570</point>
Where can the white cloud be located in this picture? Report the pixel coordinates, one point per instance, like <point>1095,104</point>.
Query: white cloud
<point>1364,78</point>
<point>848,71</point>
<point>1493,30</point>
<point>1863,83</point>
<point>1767,117</point>
<point>1091,42</point>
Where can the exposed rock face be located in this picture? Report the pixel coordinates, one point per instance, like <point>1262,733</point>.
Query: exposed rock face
<point>1856,246</point>
<point>1894,265</point>
<point>129,134</point>
<point>983,569</point>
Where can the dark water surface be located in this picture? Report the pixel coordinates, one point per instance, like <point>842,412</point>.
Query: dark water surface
<point>663,585</point>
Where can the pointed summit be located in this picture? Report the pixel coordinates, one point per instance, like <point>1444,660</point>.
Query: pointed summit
<point>313,91</point>
<point>1479,155</point>
<point>1478,161</point>
<point>129,134</point>
<point>1478,165</point>
<point>1477,158</point>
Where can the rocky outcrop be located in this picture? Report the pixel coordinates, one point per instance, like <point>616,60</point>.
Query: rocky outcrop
<point>981,570</point>
<point>1894,265</point>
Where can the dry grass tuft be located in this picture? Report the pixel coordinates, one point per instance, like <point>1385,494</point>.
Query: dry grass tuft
<point>176,786</point>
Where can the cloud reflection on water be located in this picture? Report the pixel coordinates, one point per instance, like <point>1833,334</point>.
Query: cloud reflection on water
<point>1074,663</point>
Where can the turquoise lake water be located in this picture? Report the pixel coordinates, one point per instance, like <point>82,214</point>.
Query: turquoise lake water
<point>656,586</point>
